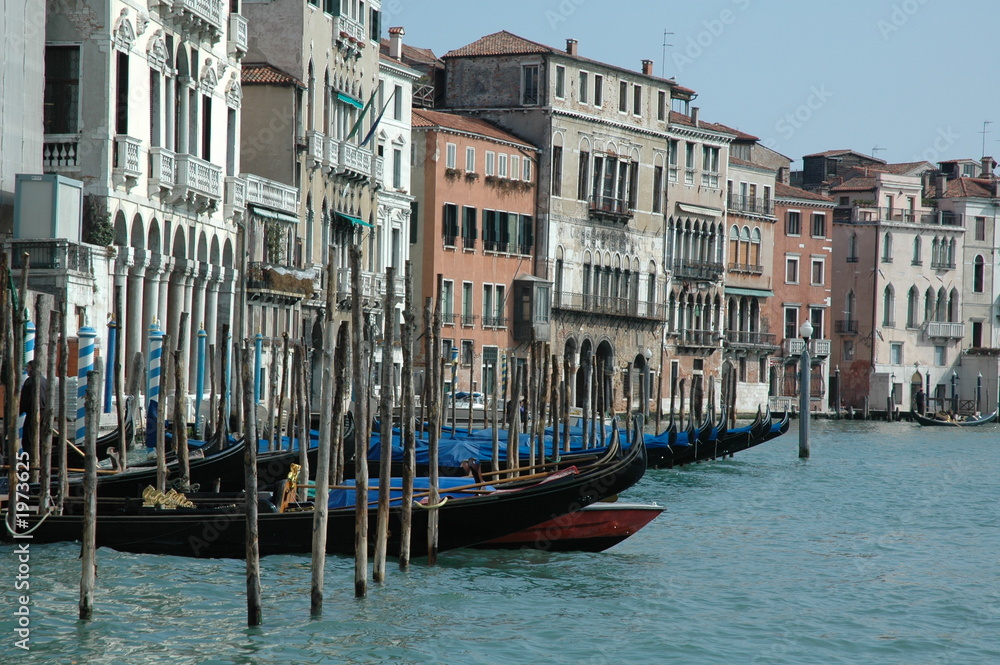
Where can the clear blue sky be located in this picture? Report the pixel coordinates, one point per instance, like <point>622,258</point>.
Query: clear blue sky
<point>916,78</point>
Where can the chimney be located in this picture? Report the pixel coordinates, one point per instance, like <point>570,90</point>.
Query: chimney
<point>396,43</point>
<point>647,67</point>
<point>571,46</point>
<point>942,186</point>
<point>987,163</point>
<point>694,116</point>
<point>783,176</point>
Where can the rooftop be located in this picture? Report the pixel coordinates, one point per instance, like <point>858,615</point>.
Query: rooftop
<point>783,191</point>
<point>461,123</point>
<point>261,73</point>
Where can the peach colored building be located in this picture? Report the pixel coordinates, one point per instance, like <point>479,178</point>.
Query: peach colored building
<point>473,224</point>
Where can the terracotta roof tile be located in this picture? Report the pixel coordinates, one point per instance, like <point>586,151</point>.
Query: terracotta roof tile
<point>681,119</point>
<point>969,187</point>
<point>736,161</point>
<point>414,55</point>
<point>835,153</point>
<point>261,73</point>
<point>462,123</point>
<point>781,190</point>
<point>499,43</point>
<point>860,184</point>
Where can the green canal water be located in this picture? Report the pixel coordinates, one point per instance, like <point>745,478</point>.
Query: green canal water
<point>881,548</point>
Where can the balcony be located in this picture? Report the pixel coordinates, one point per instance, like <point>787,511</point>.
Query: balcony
<point>588,303</point>
<point>610,209</point>
<point>127,163</point>
<point>943,265</point>
<point>332,149</point>
<point>201,16</point>
<point>58,254</point>
<point>162,170</point>
<point>61,154</point>
<point>237,36</point>
<point>372,287</point>
<point>848,327</point>
<point>468,320</point>
<point>277,283</point>
<point>706,271</point>
<point>943,330</point>
<point>750,205</point>
<point>749,268</point>
<point>747,339</point>
<point>379,174</point>
<point>199,182</point>
<point>271,194</point>
<point>354,161</point>
<point>698,339</point>
<point>818,348</point>
<point>315,148</point>
<point>870,214</point>
<point>495,321</point>
<point>236,197</point>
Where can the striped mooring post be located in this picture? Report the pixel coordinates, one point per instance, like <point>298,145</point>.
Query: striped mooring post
<point>258,348</point>
<point>109,374</point>
<point>29,355</point>
<point>155,356</point>
<point>200,380</point>
<point>88,339</point>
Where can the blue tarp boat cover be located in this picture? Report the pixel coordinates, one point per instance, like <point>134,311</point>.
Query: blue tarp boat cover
<point>344,498</point>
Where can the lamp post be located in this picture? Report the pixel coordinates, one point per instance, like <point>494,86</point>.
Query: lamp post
<point>979,393</point>
<point>954,391</point>
<point>646,384</point>
<point>806,331</point>
<point>836,396</point>
<point>891,401</point>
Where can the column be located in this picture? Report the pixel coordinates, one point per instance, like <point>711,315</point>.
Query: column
<point>136,321</point>
<point>175,301</point>
<point>166,268</point>
<point>200,273</point>
<point>183,113</point>
<point>193,324</point>
<point>212,303</point>
<point>168,117</point>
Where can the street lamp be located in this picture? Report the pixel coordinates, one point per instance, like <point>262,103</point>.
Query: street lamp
<point>892,396</point>
<point>647,387</point>
<point>954,391</point>
<point>979,393</point>
<point>805,369</point>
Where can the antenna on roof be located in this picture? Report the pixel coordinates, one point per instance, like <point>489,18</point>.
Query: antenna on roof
<point>663,60</point>
<point>984,132</point>
<point>876,149</point>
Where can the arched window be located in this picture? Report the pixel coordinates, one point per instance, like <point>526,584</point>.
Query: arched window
<point>887,248</point>
<point>755,250</point>
<point>852,249</point>
<point>941,312</point>
<point>951,253</point>
<point>745,245</point>
<point>912,307</point>
<point>916,251</point>
<point>734,244</point>
<point>849,306</point>
<point>929,304</point>
<point>979,274</point>
<point>935,252</point>
<point>953,306</point>
<point>889,307</point>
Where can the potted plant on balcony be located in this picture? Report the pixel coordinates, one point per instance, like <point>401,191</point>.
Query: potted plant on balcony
<point>452,174</point>
<point>97,227</point>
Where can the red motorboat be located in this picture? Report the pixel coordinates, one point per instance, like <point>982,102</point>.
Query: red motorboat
<point>593,528</point>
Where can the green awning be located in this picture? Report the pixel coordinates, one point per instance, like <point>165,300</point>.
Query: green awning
<point>274,214</point>
<point>739,291</point>
<point>357,103</point>
<point>356,221</point>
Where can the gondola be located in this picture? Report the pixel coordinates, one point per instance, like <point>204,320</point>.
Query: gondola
<point>969,422</point>
<point>219,532</point>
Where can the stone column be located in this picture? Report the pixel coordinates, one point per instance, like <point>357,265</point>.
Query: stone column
<point>198,283</point>
<point>136,323</point>
<point>213,280</point>
<point>166,268</point>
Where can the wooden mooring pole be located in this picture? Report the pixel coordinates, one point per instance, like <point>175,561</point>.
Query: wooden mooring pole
<point>385,428</point>
<point>88,548</point>
<point>254,610</point>
<point>406,428</point>
<point>362,424</point>
<point>321,504</point>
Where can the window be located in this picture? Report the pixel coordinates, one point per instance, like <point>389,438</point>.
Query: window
<point>490,162</point>
<point>491,230</point>
<point>817,272</point>
<point>583,181</point>
<point>816,319</point>
<point>397,168</point>
<point>470,159</point>
<point>793,223</point>
<point>852,248</point>
<point>584,80</point>
<point>450,224</point>
<point>467,316</point>
<point>488,307</point>
<point>791,322</point>
<point>529,85</point>
<point>980,228</point>
<point>710,166</point>
<point>598,90</point>
<point>375,25</point>
<point>896,353</point>
<point>887,248</point>
<point>848,353</point>
<point>889,307</point>
<point>527,169</point>
<point>448,301</point>
<point>206,128</point>
<point>560,82</point>
<point>451,155</point>
<point>979,274</point>
<point>791,270</point>
<point>121,93</point>
<point>62,90</point>
<point>689,164</point>
<point>500,301</point>
<point>661,105</point>
<point>912,307</point>
<point>637,100</point>
<point>397,103</point>
<point>525,234</point>
<point>414,226</point>
<point>502,165</point>
<point>489,373</point>
<point>658,189</point>
<point>557,170</point>
<point>818,225</point>
<point>515,167</point>
<point>469,227</point>
<point>467,353</point>
<point>672,160</point>
<point>940,355</point>
<point>623,97</point>
<point>916,251</point>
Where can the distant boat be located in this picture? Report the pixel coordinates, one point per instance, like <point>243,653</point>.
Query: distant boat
<point>940,422</point>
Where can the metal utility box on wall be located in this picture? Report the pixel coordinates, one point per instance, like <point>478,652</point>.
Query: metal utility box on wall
<point>48,206</point>
<point>532,309</point>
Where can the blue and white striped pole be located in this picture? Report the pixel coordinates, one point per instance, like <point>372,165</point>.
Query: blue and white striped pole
<point>258,347</point>
<point>109,375</point>
<point>29,355</point>
<point>229,372</point>
<point>87,337</point>
<point>155,356</point>
<point>200,380</point>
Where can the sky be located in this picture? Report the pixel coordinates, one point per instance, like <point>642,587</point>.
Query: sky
<point>904,80</point>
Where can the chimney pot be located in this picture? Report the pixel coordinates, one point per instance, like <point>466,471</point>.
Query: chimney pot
<point>942,185</point>
<point>987,163</point>
<point>694,116</point>
<point>571,45</point>
<point>647,67</point>
<point>396,42</point>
